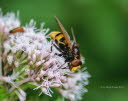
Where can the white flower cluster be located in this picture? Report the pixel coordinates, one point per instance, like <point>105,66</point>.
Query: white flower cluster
<point>74,87</point>
<point>8,22</point>
<point>29,54</point>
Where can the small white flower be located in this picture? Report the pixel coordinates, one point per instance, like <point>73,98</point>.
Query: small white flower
<point>16,63</point>
<point>75,86</point>
<point>10,59</point>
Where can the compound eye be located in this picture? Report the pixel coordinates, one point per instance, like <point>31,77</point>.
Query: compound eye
<point>79,62</point>
<point>76,63</point>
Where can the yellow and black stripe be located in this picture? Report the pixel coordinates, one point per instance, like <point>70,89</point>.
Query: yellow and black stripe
<point>59,39</point>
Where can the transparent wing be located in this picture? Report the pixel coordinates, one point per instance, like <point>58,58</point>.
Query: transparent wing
<point>64,32</point>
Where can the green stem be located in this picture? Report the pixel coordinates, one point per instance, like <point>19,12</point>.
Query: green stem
<point>19,83</point>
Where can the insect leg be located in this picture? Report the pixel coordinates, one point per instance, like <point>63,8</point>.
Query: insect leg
<point>57,48</point>
<point>68,66</point>
<point>62,65</point>
<point>58,54</point>
<point>51,46</point>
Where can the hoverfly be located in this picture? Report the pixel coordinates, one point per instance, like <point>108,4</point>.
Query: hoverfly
<point>69,50</point>
<point>15,30</point>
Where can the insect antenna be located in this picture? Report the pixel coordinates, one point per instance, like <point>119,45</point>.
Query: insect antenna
<point>73,35</point>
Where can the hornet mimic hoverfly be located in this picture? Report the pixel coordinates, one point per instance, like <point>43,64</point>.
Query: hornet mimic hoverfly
<point>69,50</point>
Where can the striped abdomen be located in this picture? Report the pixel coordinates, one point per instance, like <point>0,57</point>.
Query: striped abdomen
<point>59,40</point>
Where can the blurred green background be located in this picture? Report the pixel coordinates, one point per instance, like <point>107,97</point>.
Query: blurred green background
<point>101,29</point>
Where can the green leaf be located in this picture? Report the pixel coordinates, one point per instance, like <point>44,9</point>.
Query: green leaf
<point>59,99</point>
<point>3,93</point>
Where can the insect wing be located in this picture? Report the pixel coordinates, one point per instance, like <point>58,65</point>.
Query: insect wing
<point>64,32</point>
